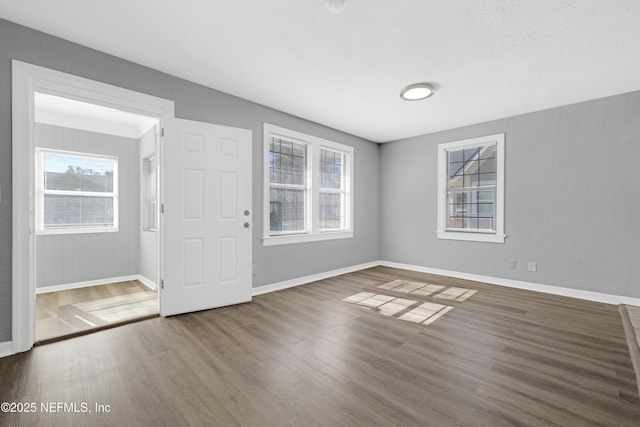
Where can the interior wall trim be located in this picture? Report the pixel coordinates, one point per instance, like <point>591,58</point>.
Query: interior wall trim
<point>273,287</point>
<point>6,349</point>
<point>147,282</point>
<point>519,284</point>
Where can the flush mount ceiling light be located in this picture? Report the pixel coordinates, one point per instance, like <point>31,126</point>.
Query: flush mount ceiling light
<point>417,91</point>
<point>336,6</point>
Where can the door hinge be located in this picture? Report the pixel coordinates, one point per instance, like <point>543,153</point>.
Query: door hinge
<point>162,208</point>
<point>161,284</point>
<point>162,132</point>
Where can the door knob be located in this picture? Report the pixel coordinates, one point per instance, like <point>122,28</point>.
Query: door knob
<point>246,225</point>
<point>246,213</point>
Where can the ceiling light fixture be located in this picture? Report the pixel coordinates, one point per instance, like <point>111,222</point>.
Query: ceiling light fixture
<point>335,6</point>
<point>417,91</point>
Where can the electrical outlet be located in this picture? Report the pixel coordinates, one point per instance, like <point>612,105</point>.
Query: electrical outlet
<point>532,266</point>
<point>512,264</point>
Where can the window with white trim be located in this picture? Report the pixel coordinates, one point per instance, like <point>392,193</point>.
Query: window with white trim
<point>308,183</point>
<point>471,189</point>
<point>76,192</point>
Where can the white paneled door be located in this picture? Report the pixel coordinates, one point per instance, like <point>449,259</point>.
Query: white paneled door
<point>207,217</point>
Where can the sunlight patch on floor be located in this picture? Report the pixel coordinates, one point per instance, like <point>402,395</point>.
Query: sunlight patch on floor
<point>426,313</point>
<point>428,289</point>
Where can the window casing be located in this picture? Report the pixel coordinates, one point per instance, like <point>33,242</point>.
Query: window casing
<point>307,188</point>
<point>75,192</point>
<point>471,189</point>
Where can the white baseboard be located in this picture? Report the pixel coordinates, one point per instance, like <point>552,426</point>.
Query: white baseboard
<point>6,348</point>
<point>312,278</point>
<point>547,289</point>
<point>147,282</point>
<point>107,281</point>
<point>510,283</point>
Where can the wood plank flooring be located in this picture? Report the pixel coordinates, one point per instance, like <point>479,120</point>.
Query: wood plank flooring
<point>64,313</point>
<point>303,357</point>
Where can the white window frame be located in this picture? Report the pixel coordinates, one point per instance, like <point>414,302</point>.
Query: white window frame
<point>312,230</point>
<point>471,235</point>
<point>40,193</point>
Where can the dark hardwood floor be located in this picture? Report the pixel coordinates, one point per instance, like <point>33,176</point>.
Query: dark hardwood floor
<point>303,357</point>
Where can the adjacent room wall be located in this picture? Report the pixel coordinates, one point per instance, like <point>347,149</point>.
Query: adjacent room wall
<point>572,199</point>
<point>148,239</point>
<point>70,258</point>
<point>194,102</point>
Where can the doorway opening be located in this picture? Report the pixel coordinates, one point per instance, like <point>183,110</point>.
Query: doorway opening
<point>96,216</point>
<point>203,237</point>
<point>27,81</point>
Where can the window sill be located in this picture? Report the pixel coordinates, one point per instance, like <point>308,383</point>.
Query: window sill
<point>305,238</point>
<point>78,231</point>
<point>471,237</point>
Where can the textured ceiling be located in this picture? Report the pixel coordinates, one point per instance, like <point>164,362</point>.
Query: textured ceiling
<point>489,59</point>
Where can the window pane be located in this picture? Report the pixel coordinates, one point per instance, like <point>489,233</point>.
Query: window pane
<point>455,156</point>
<point>485,196</point>
<point>470,181</point>
<point>77,212</point>
<point>286,208</point>
<point>331,169</point>
<point>472,222</point>
<point>471,153</point>
<point>77,173</point>
<point>471,210</point>
<point>488,165</point>
<point>331,211</point>
<point>485,209</point>
<point>456,169</point>
<point>485,223</point>
<point>287,162</point>
<point>488,151</point>
<point>487,179</point>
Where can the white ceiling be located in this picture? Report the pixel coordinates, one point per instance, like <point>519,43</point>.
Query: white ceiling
<point>53,110</point>
<point>490,59</point>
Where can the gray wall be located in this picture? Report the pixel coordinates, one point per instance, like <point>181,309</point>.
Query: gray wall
<point>192,102</point>
<point>71,258</point>
<point>572,199</point>
<point>148,239</point>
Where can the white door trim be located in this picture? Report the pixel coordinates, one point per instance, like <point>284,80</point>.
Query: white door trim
<point>27,79</point>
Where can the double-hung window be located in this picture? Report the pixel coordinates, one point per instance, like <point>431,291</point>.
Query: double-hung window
<point>76,192</point>
<point>308,188</point>
<point>471,189</point>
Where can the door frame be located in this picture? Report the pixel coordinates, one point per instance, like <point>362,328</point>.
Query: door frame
<point>27,79</point>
